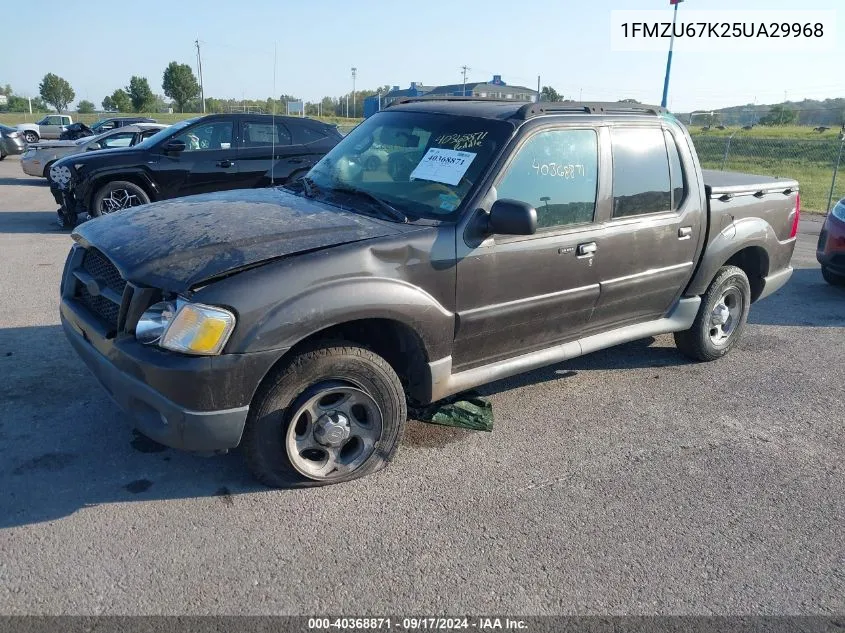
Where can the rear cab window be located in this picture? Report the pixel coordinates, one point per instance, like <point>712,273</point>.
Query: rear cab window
<point>641,177</point>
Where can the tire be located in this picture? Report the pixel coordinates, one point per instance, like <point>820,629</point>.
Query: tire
<point>116,196</point>
<point>30,137</point>
<point>286,446</point>
<point>707,340</point>
<point>834,279</point>
<point>46,173</point>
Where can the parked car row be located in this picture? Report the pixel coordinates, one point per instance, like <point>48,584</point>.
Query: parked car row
<point>39,157</point>
<point>62,127</point>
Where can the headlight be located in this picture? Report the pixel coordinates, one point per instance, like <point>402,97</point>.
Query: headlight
<point>154,322</point>
<point>190,328</point>
<point>839,210</point>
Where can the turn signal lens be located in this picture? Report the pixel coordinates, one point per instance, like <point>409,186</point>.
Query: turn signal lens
<point>199,329</point>
<point>797,217</point>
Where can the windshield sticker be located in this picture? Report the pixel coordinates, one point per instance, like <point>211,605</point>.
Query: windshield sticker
<point>461,141</point>
<point>449,201</point>
<point>443,165</point>
<point>561,170</point>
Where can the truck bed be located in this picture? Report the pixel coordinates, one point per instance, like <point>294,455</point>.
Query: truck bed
<point>719,183</point>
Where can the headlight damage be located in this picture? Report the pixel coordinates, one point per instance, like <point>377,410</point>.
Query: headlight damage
<point>190,328</point>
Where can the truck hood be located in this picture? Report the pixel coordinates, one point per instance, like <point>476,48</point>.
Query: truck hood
<point>177,244</point>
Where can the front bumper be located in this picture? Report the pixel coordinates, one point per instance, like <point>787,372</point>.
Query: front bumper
<point>185,402</point>
<point>830,251</point>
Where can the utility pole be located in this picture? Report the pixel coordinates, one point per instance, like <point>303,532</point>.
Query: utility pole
<point>671,48</point>
<point>199,68</point>
<point>538,88</point>
<point>354,72</point>
<point>465,69</point>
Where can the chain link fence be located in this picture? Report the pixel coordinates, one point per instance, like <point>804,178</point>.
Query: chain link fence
<point>817,164</point>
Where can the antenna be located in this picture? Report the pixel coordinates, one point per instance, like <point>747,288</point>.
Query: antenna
<point>199,67</point>
<point>273,124</point>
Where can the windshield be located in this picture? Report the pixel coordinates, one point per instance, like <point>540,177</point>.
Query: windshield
<point>165,133</point>
<point>423,164</point>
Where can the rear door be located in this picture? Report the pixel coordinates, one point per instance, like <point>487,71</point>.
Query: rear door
<point>267,154</point>
<point>655,228</point>
<point>208,163</point>
<point>517,294</point>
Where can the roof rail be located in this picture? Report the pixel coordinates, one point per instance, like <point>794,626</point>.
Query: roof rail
<point>530,110</point>
<point>423,98</point>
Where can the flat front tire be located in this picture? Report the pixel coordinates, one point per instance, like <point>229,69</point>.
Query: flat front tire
<point>721,319</point>
<point>331,414</point>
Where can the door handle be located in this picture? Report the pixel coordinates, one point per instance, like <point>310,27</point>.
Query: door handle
<point>296,160</point>
<point>225,163</point>
<point>684,233</point>
<point>587,249</point>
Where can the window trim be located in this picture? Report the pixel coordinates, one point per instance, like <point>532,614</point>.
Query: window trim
<point>630,219</point>
<point>547,231</point>
<point>676,205</point>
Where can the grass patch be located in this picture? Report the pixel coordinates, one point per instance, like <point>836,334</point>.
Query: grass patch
<point>13,118</point>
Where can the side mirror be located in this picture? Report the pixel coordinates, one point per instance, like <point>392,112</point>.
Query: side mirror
<point>174,147</point>
<point>94,146</point>
<point>512,217</point>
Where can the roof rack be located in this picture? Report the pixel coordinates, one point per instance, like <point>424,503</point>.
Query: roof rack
<point>530,110</point>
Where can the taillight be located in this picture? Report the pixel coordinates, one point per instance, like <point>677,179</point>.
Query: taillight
<point>797,217</point>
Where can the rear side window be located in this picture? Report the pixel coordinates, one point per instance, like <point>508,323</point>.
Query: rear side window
<point>676,172</point>
<point>556,172</point>
<point>261,133</point>
<point>641,182</point>
<point>304,134</point>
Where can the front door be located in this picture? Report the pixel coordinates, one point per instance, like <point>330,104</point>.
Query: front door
<point>517,294</point>
<point>653,236</point>
<point>208,163</point>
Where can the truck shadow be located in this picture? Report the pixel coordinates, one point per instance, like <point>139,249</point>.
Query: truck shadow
<point>806,300</point>
<point>30,222</point>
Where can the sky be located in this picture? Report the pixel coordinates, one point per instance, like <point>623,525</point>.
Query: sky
<point>394,42</point>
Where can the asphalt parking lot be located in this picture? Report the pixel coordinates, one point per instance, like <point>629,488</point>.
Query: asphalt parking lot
<point>629,481</point>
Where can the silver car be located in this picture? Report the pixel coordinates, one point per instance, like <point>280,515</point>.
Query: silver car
<point>39,157</point>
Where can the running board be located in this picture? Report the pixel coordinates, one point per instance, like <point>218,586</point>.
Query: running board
<point>444,383</point>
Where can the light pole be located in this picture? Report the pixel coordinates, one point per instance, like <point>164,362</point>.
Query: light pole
<point>354,72</point>
<point>669,59</point>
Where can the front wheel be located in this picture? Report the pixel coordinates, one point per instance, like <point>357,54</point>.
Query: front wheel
<point>116,196</point>
<point>721,318</point>
<point>834,279</point>
<point>331,414</point>
<point>30,137</point>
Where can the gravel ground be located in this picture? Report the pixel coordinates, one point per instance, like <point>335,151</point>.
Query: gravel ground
<point>629,481</point>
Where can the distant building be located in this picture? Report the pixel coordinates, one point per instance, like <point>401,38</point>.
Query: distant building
<point>493,89</point>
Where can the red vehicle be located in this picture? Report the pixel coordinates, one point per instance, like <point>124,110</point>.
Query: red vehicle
<point>831,249</point>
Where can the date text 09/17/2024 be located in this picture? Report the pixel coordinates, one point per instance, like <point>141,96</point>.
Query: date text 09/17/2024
<point>416,624</point>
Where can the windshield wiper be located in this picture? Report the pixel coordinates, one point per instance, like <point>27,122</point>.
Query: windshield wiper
<point>308,186</point>
<point>386,207</point>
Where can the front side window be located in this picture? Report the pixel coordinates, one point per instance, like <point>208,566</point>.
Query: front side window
<point>421,163</point>
<point>556,172</point>
<point>54,120</point>
<point>216,135</point>
<point>264,133</point>
<point>641,181</point>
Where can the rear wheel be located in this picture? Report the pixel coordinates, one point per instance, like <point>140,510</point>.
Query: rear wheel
<point>332,414</point>
<point>834,279</point>
<point>30,137</point>
<point>721,318</point>
<point>116,196</point>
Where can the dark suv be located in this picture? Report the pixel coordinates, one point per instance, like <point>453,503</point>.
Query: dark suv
<point>211,153</point>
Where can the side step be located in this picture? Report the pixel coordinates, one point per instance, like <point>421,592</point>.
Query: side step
<point>445,383</point>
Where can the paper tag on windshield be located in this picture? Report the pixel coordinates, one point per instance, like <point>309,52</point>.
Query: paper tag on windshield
<point>443,165</point>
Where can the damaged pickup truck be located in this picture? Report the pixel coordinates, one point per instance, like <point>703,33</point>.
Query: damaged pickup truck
<point>299,322</point>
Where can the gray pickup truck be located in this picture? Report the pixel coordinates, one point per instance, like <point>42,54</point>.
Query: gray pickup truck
<point>495,237</point>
